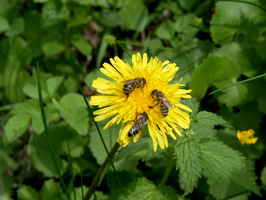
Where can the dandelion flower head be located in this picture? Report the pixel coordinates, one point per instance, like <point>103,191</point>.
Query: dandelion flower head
<point>247,137</point>
<point>126,108</point>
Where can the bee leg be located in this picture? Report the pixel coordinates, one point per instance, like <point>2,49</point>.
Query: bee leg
<point>154,105</point>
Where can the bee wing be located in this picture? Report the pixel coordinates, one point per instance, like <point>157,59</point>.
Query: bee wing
<point>167,103</point>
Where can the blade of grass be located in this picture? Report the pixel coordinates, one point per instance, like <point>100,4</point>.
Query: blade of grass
<point>46,130</point>
<point>81,181</point>
<point>240,82</point>
<point>107,160</point>
<point>71,170</point>
<point>118,42</point>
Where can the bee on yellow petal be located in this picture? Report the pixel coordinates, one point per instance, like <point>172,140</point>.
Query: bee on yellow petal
<point>247,137</point>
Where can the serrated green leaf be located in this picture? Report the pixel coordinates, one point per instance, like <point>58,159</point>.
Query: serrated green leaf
<point>4,25</point>
<point>52,44</point>
<point>192,104</point>
<point>51,190</point>
<point>81,44</point>
<point>166,30</point>
<point>16,28</point>
<point>218,71</point>
<point>53,84</point>
<point>203,130</point>
<point>233,18</point>
<point>27,192</point>
<point>16,126</point>
<point>224,163</point>
<point>142,188</point>
<point>6,183</point>
<point>210,118</point>
<point>60,135</point>
<point>188,157</point>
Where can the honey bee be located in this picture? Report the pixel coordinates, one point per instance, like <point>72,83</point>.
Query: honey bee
<point>131,84</point>
<point>165,104</point>
<point>140,122</point>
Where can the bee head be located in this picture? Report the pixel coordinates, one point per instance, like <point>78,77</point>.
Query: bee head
<point>153,93</point>
<point>145,115</point>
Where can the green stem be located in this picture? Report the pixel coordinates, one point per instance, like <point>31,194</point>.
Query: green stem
<point>47,132</point>
<point>143,45</point>
<point>96,179</point>
<point>118,42</point>
<point>167,172</point>
<point>71,171</point>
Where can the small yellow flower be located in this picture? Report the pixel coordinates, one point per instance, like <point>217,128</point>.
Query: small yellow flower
<point>127,108</point>
<point>247,137</point>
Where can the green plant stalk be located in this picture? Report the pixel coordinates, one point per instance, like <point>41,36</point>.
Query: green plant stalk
<point>240,82</point>
<point>109,156</point>
<point>144,45</point>
<point>167,172</point>
<point>203,29</point>
<point>118,42</point>
<point>47,132</point>
<point>71,171</point>
<point>96,179</point>
<point>258,6</point>
<point>81,181</point>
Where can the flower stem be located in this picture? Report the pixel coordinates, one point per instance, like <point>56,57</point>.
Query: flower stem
<point>96,179</point>
<point>167,172</point>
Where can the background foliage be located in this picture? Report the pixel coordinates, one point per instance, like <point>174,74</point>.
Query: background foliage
<point>214,44</point>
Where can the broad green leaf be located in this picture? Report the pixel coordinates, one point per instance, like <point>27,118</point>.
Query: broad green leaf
<point>145,189</point>
<point>210,118</point>
<point>218,71</point>
<point>110,18</point>
<point>188,160</point>
<point>234,96</point>
<point>166,30</point>
<point>93,76</point>
<point>53,84</point>
<point>263,176</point>
<point>188,4</point>
<point>60,135</point>
<point>220,189</point>
<point>203,130</point>
<point>52,44</point>
<point>222,162</point>
<point>134,15</point>
<point>81,16</point>
<point>16,28</point>
<point>73,100</point>
<point>6,183</point>
<point>192,104</point>
<point>27,192</point>
<point>5,161</point>
<point>16,126</point>
<point>81,44</point>
<point>40,1</point>
<point>182,24</point>
<point>101,3</point>
<point>4,25</point>
<point>234,18</point>
<point>51,190</point>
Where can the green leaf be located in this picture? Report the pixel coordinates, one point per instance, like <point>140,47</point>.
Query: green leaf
<point>52,44</point>
<point>94,75</point>
<point>16,126</point>
<point>81,44</point>
<point>134,15</point>
<point>51,190</point>
<point>145,189</point>
<point>16,28</point>
<point>27,192</point>
<point>101,3</point>
<point>53,84</point>
<point>218,71</point>
<point>60,135</point>
<point>166,30</point>
<point>192,104</point>
<point>6,183</point>
<point>234,96</point>
<point>110,18</point>
<point>263,176</point>
<point>224,163</point>
<point>205,117</point>
<point>4,25</point>
<point>234,18</point>
<point>188,4</point>
<point>182,24</point>
<point>203,130</point>
<point>188,157</point>
<point>5,161</point>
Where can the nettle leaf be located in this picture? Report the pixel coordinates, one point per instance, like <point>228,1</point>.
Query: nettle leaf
<point>193,104</point>
<point>188,157</point>
<point>210,118</point>
<point>81,44</point>
<point>203,130</point>
<point>27,192</point>
<point>51,190</point>
<point>222,162</point>
<point>142,188</point>
<point>72,108</point>
<point>218,71</point>
<point>60,135</point>
<point>234,96</point>
<point>232,18</point>
<point>166,30</point>
<point>16,126</point>
<point>6,184</point>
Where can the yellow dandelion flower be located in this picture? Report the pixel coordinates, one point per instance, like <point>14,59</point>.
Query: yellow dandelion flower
<point>131,97</point>
<point>247,137</point>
